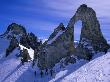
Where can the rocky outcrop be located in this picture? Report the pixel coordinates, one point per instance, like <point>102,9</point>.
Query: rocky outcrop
<point>58,46</point>
<point>90,29</point>
<point>59,28</point>
<point>60,43</point>
<point>30,41</point>
<point>14,30</point>
<point>25,56</point>
<point>17,34</point>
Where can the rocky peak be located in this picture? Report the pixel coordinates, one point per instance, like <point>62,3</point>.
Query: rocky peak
<point>17,28</point>
<point>83,6</point>
<point>60,27</point>
<point>91,39</point>
<point>56,30</point>
<point>14,30</point>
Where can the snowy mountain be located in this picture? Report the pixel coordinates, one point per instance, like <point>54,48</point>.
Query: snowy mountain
<point>16,36</point>
<point>12,70</point>
<point>24,58</point>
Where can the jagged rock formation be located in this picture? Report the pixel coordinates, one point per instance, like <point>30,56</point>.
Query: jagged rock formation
<point>25,56</point>
<point>90,30</point>
<point>60,43</point>
<point>30,40</point>
<point>17,34</point>
<point>58,46</point>
<point>14,30</point>
<point>59,28</point>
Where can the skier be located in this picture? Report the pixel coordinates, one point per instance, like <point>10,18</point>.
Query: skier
<point>35,73</point>
<point>41,73</point>
<point>46,71</point>
<point>51,72</point>
<point>22,61</point>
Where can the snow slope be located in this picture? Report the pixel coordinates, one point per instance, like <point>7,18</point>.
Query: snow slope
<point>97,70</point>
<point>4,43</point>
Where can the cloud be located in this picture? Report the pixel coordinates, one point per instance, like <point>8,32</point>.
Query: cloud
<point>45,15</point>
<point>66,9</point>
<point>68,6</point>
<point>63,8</point>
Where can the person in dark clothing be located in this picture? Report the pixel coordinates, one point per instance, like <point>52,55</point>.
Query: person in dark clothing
<point>46,71</point>
<point>35,73</point>
<point>105,50</point>
<point>51,72</point>
<point>22,61</point>
<point>41,73</point>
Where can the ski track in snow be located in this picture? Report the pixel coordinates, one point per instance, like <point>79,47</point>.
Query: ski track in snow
<point>19,71</point>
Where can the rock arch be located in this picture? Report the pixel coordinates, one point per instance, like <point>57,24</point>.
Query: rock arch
<point>54,49</point>
<point>90,28</point>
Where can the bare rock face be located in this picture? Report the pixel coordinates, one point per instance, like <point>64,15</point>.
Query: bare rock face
<point>16,34</point>
<point>60,44</point>
<point>90,28</point>
<point>14,30</point>
<point>60,27</point>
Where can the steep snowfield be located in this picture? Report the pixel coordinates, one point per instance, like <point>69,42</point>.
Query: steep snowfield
<point>4,43</point>
<point>97,70</point>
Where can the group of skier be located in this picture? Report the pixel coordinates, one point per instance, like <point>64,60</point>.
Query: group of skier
<point>42,73</point>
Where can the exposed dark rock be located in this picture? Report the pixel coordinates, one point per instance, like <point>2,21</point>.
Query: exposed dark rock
<point>30,41</point>
<point>90,29</point>
<point>85,49</point>
<point>59,28</point>
<point>69,59</point>
<point>14,30</point>
<point>25,56</point>
<point>17,34</point>
<point>61,46</point>
<point>56,48</point>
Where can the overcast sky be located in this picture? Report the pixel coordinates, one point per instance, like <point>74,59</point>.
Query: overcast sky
<point>42,16</point>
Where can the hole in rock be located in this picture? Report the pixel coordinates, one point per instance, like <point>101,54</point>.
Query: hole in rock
<point>77,32</point>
